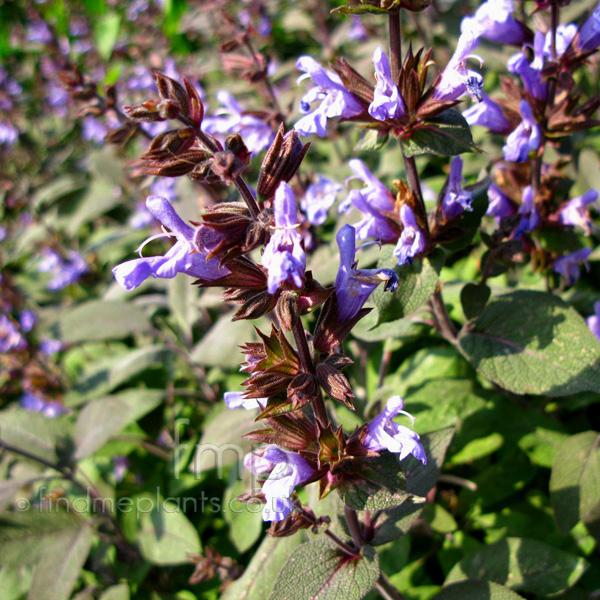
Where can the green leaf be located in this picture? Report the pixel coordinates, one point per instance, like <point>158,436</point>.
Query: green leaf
<point>219,347</point>
<point>478,448</point>
<point>26,536</point>
<point>14,583</point>
<point>421,478</point>
<point>106,32</point>
<point>379,484</point>
<point>99,420</point>
<point>396,522</point>
<point>320,570</point>
<point>257,581</point>
<point>30,431</point>
<point>575,480</point>
<point>221,442</point>
<point>473,298</point>
<point>371,140</point>
<point>56,574</point>
<point>531,342</point>
<point>163,533</point>
<point>99,320</point>
<point>522,564</point>
<point>244,519</point>
<point>116,592</point>
<point>417,283</point>
<point>103,376</point>
<point>447,134</point>
<point>476,590</point>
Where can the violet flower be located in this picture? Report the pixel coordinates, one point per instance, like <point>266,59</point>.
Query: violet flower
<point>499,205</point>
<point>287,470</point>
<point>10,337</point>
<point>318,199</point>
<point>8,133</point>
<point>456,199</point>
<point>487,114</point>
<point>564,37</point>
<point>49,347</point>
<point>456,78</point>
<point>65,270</point>
<point>284,257</point>
<point>33,403</point>
<point>232,118</point>
<point>568,265</point>
<point>593,322</point>
<point>353,286</point>
<point>575,211</point>
<point>187,256</point>
<point>493,20</point>
<point>384,434</point>
<point>120,466</point>
<point>372,200</point>
<point>27,320</point>
<point>334,100</point>
<point>531,73</point>
<point>387,101</point>
<point>589,36</point>
<point>412,239</point>
<point>238,400</point>
<point>358,32</point>
<point>531,218</point>
<point>526,138</point>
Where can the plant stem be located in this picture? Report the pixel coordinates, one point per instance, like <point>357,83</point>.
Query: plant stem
<point>306,362</point>
<point>395,33</point>
<point>442,318</point>
<point>386,589</point>
<point>354,526</point>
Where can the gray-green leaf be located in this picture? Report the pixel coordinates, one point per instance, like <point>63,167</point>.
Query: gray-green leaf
<point>530,342</point>
<point>320,570</point>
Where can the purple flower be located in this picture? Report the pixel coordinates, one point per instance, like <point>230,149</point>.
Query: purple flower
<point>589,36</point>
<point>93,130</point>
<point>384,434</point>
<point>3,233</point>
<point>27,320</point>
<point>412,240</point>
<point>358,32</point>
<point>10,337</point>
<point>487,114</point>
<point>493,20</point>
<point>287,470</point>
<point>49,346</point>
<point>33,403</point>
<point>284,257</point>
<point>8,133</point>
<point>593,322</point>
<point>568,265</point>
<point>38,31</point>
<point>564,37</point>
<point>164,187</point>
<point>387,101</point>
<point>121,464</point>
<point>575,211</point>
<point>231,118</point>
<point>531,73</point>
<point>65,270</point>
<point>238,400</point>
<point>373,200</point>
<point>318,199</point>
<point>456,78</point>
<point>526,138</point>
<point>334,100</point>
<point>531,218</point>
<point>456,199</point>
<point>354,286</point>
<point>499,205</point>
<point>187,256</point>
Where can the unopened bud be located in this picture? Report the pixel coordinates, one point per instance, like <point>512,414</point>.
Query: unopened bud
<point>226,166</point>
<point>145,111</point>
<point>287,309</point>
<point>302,390</point>
<point>282,160</point>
